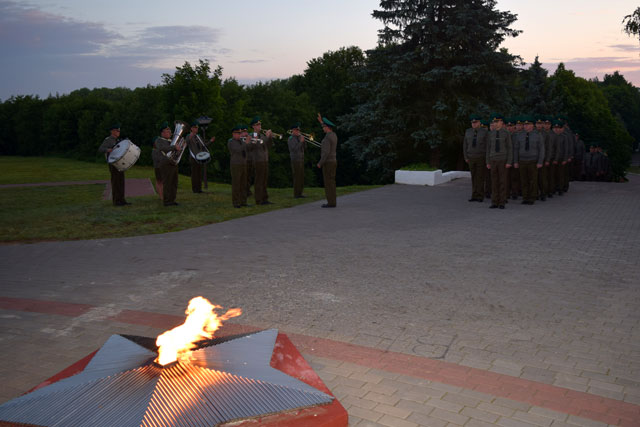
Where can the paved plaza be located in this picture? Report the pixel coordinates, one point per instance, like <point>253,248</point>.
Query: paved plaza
<point>416,307</point>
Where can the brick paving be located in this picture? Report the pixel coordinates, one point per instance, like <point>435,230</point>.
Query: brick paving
<point>414,306</point>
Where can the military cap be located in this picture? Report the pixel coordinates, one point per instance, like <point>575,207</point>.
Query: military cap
<point>296,125</point>
<point>509,120</point>
<point>237,128</point>
<point>518,119</point>
<point>195,123</point>
<point>485,123</point>
<point>255,121</point>
<point>475,117</point>
<point>495,117</point>
<point>557,124</point>
<point>540,119</point>
<point>527,119</point>
<point>164,125</point>
<point>327,122</point>
<point>548,119</point>
<point>115,126</point>
<point>243,127</point>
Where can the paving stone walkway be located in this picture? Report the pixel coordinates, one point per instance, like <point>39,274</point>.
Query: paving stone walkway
<point>415,306</point>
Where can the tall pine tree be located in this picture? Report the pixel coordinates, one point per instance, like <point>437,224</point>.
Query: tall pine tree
<point>436,62</point>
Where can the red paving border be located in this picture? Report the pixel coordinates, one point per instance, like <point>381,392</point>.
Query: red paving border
<point>547,396</point>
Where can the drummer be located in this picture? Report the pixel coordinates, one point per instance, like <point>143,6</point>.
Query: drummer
<point>117,177</point>
<point>196,145</point>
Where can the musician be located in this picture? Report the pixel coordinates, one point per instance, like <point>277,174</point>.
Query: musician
<point>168,170</point>
<point>261,145</point>
<point>238,164</point>
<point>196,145</point>
<point>117,177</point>
<point>297,145</point>
<point>328,161</point>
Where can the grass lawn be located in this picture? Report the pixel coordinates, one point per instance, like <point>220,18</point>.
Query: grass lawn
<point>71,212</point>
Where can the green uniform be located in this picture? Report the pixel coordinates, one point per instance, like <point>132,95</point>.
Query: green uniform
<point>260,149</point>
<point>296,153</point>
<point>168,171</point>
<point>528,153</point>
<point>474,149</point>
<point>238,164</point>
<point>117,177</point>
<point>196,145</point>
<point>499,154</point>
<point>329,163</point>
<point>513,176</point>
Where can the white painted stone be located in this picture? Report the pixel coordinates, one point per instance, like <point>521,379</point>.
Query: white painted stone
<point>428,178</point>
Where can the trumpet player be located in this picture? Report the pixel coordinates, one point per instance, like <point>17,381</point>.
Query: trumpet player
<point>297,144</point>
<point>262,144</point>
<point>238,154</point>
<point>165,168</point>
<point>328,161</point>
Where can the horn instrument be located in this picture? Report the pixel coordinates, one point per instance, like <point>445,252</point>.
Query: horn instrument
<point>178,142</point>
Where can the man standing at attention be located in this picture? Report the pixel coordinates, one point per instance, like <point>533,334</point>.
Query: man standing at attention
<point>499,159</point>
<point>117,177</point>
<point>167,168</point>
<point>238,166</point>
<point>528,157</point>
<point>297,144</point>
<point>474,148</point>
<point>328,161</point>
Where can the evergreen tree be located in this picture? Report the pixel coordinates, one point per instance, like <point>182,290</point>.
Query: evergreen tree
<point>624,100</point>
<point>436,62</point>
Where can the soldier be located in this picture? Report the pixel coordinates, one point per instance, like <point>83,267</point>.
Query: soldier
<point>528,158</point>
<point>499,159</point>
<point>514,126</point>
<point>590,165</point>
<point>117,177</point>
<point>297,145</point>
<point>543,178</point>
<point>578,161</point>
<point>238,165</point>
<point>196,145</point>
<point>474,148</point>
<point>571,149</point>
<point>550,155</point>
<point>168,170</point>
<point>487,176</point>
<point>328,160</point>
<point>559,142</point>
<point>262,144</point>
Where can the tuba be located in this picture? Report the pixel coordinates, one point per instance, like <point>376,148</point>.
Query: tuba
<point>177,141</point>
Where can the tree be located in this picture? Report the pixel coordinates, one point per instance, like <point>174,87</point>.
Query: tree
<point>588,112</point>
<point>437,61</point>
<point>632,23</point>
<point>624,100</point>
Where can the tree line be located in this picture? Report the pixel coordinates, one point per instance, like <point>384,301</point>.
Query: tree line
<point>406,101</point>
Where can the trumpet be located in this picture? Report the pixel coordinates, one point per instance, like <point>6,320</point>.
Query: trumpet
<point>308,138</point>
<point>273,134</point>
<point>252,140</point>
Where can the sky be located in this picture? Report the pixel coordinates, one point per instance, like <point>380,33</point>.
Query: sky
<point>57,46</point>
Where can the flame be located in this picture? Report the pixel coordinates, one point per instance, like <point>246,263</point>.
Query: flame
<point>201,323</point>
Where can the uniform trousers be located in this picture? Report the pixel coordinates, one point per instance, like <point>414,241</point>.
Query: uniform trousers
<point>117,186</point>
<point>297,170</point>
<point>498,182</point>
<point>566,173</point>
<point>238,185</point>
<point>543,181</point>
<point>528,180</point>
<point>260,186</point>
<point>513,183</point>
<point>169,183</point>
<point>196,175</point>
<point>478,168</point>
<point>250,176</point>
<point>329,178</point>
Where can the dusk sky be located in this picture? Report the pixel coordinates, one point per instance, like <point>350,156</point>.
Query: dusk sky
<point>56,46</point>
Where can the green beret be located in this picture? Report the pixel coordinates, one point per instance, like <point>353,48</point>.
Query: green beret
<point>255,121</point>
<point>163,126</point>
<point>475,117</point>
<point>296,125</point>
<point>115,126</point>
<point>328,122</point>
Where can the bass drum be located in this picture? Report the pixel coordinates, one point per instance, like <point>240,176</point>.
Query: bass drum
<point>124,155</point>
<point>203,157</point>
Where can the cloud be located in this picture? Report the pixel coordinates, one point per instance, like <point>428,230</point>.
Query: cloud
<point>626,47</point>
<point>51,53</point>
<point>590,67</point>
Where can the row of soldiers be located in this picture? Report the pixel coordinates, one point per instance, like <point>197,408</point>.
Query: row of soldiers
<point>533,157</point>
